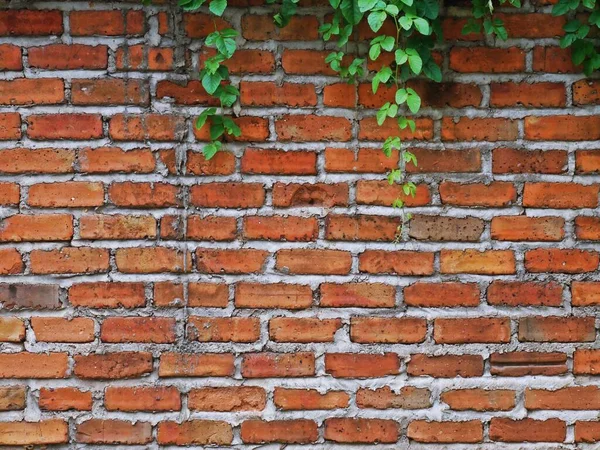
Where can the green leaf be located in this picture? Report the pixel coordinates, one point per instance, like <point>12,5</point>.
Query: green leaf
<point>415,62</point>
<point>376,20</point>
<point>226,46</point>
<point>211,81</point>
<point>388,43</point>
<point>217,7</point>
<point>351,11</point>
<point>422,26</point>
<point>392,10</point>
<point>561,8</point>
<point>203,117</point>
<point>211,149</point>
<point>398,203</point>
<point>374,51</point>
<point>216,130</point>
<point>392,111</point>
<point>413,101</point>
<point>432,71</point>
<point>572,26</point>
<point>411,125</point>
<point>382,113</point>
<point>400,57</point>
<point>366,5</point>
<point>567,40</point>
<point>231,127</point>
<point>401,96</point>
<point>228,95</point>
<point>405,22</point>
<point>429,8</point>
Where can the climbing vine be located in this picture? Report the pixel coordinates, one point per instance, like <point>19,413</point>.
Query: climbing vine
<point>405,32</point>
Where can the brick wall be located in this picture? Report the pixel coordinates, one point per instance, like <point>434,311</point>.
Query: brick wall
<point>150,297</point>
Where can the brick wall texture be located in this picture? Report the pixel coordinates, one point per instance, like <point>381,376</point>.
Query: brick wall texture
<point>150,297</point>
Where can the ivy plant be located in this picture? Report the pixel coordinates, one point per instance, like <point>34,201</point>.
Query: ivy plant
<point>405,33</point>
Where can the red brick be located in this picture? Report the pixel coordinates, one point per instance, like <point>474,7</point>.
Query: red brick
<point>70,260</point>
<point>152,260</point>
<point>465,129</point>
<point>10,126</point>
<point>112,366</point>
<point>533,95</point>
<point>569,398</point>
<point>111,431</point>
<point>312,128</point>
<point>34,365</point>
<point>381,193</point>
<point>23,22</point>
<point>442,295</point>
<point>191,93</point>
<point>106,23</point>
<point>196,365</point>
<point>65,126</point>
<point>445,366</point>
<point>265,93</point>
<point>278,295</point>
<point>372,330</point>
<point>65,399</point>
<point>114,91</point>
<point>313,261</point>
<point>230,261</point>
<point>228,195</point>
<point>586,92</point>
<point>400,262</point>
<point>10,57</point>
<point>587,161</point>
<point>560,195</point>
<point>488,262</point>
<point>361,431</point>
<point>22,91</point>
<point>223,163</point>
<point>10,194</point>
<point>520,293</point>
<point>245,61</point>
<point>144,195</point>
<point>262,28</point>
<point>198,25</point>
<point>307,399</point>
<point>195,432</point>
<point>70,194</point>
<point>448,160</point>
<point>523,228</point>
<point>554,60</point>
<point>277,228</point>
<point>227,399</point>
<point>557,260</point>
<point>557,329</point>
<point>45,227</point>
<point>11,261</point>
<point>508,160</point>
<point>157,127</point>
<point>339,95</point>
<point>114,159</point>
<point>358,365</point>
<point>439,228</point>
<point>29,296</point>
<point>156,330</point>
<point>562,128</point>
<point>360,295</point>
<point>479,399</point>
<point>587,431</point>
<point>363,161</point>
<point>292,329</point>
<point>470,431</point>
<point>278,365</point>
<point>279,162</point>
<point>408,397</point>
<point>585,293</point>
<point>519,364</point>
<point>370,130</point>
<point>68,57</point>
<point>107,295</point>
<point>472,330</point>
<point>58,329</point>
<point>318,194</point>
<point>159,398</point>
<point>223,329</point>
<point>43,432</point>
<point>45,160</point>
<point>527,430</point>
<point>117,227</point>
<point>487,60</point>
<point>361,228</point>
<point>211,228</point>
<point>299,431</point>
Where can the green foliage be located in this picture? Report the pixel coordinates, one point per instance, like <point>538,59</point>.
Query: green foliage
<point>416,29</point>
